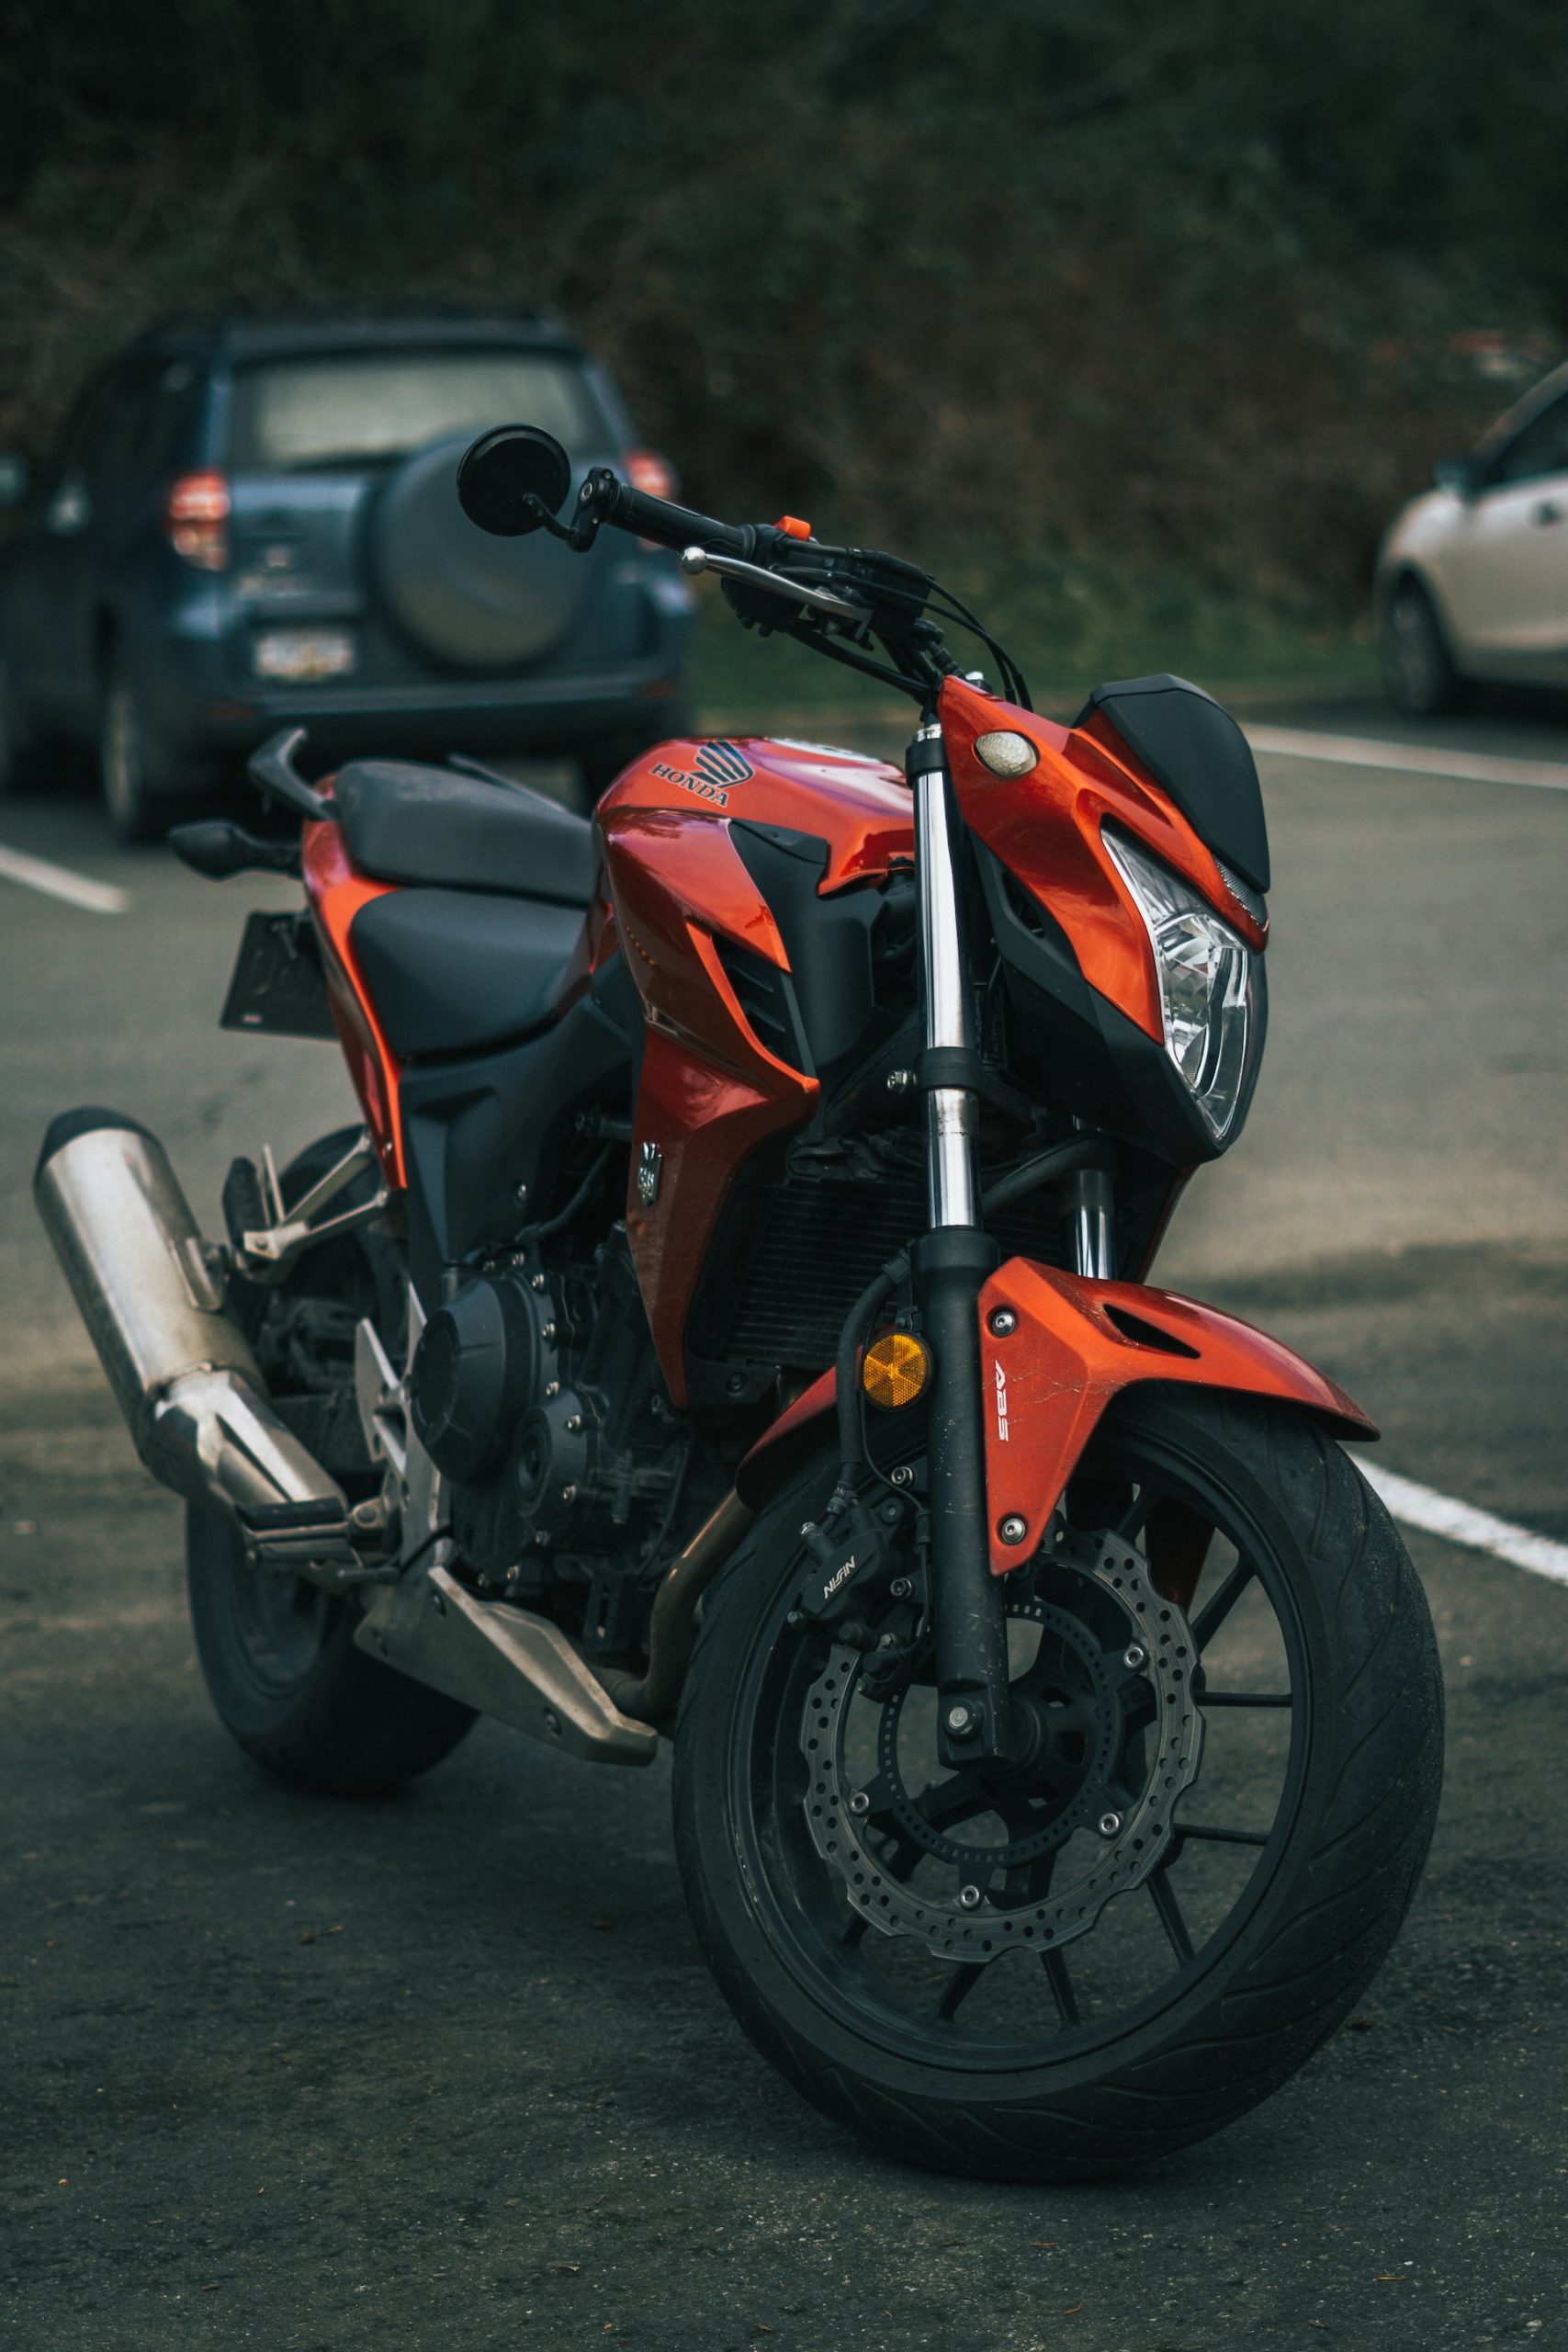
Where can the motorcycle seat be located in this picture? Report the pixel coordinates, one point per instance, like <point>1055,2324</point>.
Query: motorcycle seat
<point>457,971</point>
<point>404,822</point>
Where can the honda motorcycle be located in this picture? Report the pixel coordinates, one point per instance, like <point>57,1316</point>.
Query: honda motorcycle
<point>731,1323</point>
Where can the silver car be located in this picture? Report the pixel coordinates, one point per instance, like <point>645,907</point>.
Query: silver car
<point>1472,578</point>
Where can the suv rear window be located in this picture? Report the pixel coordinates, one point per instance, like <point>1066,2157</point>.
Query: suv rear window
<point>296,416</point>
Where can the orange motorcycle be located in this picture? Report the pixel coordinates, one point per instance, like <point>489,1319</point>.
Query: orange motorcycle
<point>731,1322</point>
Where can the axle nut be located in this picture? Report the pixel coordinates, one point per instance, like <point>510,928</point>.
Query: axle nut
<point>1012,1528</point>
<point>961,1720</point>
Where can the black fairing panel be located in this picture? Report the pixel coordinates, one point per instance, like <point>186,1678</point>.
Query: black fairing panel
<point>405,823</point>
<point>827,941</point>
<point>1078,1047</point>
<point>449,971</point>
<point>1195,750</point>
<point>478,1126</point>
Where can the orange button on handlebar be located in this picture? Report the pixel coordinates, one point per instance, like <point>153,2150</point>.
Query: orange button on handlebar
<point>793,528</point>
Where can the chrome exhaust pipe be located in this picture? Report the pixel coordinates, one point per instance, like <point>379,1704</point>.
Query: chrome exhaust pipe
<point>149,1291</point>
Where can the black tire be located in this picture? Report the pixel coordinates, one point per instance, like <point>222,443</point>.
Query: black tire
<point>1419,676</point>
<point>144,780</point>
<point>1318,1896</point>
<point>602,762</point>
<point>280,1661</point>
<point>278,1654</point>
<point>19,763</point>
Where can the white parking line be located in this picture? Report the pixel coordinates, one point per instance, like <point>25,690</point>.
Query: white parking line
<point>1416,759</point>
<point>1438,1514</point>
<point>59,882</point>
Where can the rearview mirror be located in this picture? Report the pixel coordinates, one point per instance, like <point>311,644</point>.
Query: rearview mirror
<point>504,474</point>
<point>1460,476</point>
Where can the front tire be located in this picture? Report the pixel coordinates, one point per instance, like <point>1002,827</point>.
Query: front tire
<point>140,777</point>
<point>1418,669</point>
<point>1270,1890</point>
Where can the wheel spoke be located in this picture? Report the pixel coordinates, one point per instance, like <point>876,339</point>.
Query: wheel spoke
<point>1061,1985</point>
<point>1171,1915</point>
<point>959,1985</point>
<point>1245,1698</point>
<point>1208,1620</point>
<point>1212,1836</point>
<point>1146,1498</point>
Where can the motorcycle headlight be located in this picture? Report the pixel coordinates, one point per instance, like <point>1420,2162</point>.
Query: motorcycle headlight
<point>1211,986</point>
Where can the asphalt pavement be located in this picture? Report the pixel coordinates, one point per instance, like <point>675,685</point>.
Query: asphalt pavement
<point>448,2071</point>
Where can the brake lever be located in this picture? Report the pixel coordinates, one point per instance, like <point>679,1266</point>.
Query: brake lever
<point>755,575</point>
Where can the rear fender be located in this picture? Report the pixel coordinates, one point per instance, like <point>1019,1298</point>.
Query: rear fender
<point>1076,1345</point>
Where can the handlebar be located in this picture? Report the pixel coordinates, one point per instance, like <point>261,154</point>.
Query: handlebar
<point>605,496</point>
<point>515,479</point>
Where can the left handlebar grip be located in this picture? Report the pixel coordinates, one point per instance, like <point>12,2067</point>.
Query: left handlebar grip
<point>659,519</point>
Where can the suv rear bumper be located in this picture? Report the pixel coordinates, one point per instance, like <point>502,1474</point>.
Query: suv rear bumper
<point>549,715</point>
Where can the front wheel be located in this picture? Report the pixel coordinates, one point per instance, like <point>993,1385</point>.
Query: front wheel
<point>1418,672</point>
<point>1229,1677</point>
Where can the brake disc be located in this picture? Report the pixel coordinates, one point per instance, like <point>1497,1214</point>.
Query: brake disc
<point>1098,1686</point>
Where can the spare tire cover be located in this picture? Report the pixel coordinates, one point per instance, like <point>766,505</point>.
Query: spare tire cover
<point>460,596</point>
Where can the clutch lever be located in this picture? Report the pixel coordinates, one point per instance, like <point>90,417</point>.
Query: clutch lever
<point>821,600</point>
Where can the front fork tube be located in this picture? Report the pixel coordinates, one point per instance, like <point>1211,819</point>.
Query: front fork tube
<point>948,1267</point>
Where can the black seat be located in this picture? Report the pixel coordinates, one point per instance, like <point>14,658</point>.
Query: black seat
<point>455,971</point>
<point>403,822</point>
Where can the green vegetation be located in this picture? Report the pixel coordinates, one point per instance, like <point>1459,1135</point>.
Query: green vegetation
<point>1070,627</point>
<point>1174,291</point>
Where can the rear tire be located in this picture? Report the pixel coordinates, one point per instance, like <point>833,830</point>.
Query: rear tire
<point>1418,672</point>
<point>603,761</point>
<point>281,1665</point>
<point>141,779</point>
<point>278,1654</point>
<point>1053,2094</point>
<point>19,761</point>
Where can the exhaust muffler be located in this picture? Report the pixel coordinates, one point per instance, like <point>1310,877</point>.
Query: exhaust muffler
<point>149,1291</point>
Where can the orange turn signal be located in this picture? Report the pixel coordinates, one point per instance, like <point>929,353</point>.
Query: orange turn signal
<point>896,1369</point>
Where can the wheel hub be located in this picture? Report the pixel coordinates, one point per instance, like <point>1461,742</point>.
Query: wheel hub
<point>1110,1737</point>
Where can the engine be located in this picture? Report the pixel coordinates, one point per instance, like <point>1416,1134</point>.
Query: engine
<point>537,1393</point>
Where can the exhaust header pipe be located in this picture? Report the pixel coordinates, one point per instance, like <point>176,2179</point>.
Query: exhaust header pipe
<point>149,1291</point>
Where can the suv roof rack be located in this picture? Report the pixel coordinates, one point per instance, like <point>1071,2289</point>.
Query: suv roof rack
<point>263,334</point>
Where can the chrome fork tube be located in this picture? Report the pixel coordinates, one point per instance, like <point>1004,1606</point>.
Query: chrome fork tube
<point>952,1177</point>
<point>949,1265</point>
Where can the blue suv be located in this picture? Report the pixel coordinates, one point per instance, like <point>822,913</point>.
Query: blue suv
<point>252,523</point>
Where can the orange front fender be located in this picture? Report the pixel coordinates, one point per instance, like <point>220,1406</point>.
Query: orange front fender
<point>1075,1344</point>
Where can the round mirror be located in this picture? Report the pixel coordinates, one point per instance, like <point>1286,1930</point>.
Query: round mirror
<point>504,470</point>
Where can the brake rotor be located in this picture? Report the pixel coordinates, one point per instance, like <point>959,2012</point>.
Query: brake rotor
<point>1091,1697</point>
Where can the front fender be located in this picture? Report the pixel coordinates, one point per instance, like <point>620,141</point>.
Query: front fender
<point>1075,1344</point>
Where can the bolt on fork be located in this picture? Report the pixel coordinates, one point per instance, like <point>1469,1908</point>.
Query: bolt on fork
<point>948,1265</point>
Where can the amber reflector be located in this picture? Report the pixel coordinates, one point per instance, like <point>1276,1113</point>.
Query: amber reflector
<point>896,1369</point>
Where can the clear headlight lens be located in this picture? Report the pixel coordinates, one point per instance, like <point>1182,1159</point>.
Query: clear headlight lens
<point>1210,986</point>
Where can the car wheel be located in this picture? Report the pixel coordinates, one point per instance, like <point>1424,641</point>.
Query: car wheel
<point>138,774</point>
<point>602,761</point>
<point>17,747</point>
<point>1418,672</point>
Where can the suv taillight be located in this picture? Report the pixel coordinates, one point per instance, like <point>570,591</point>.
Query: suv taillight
<point>196,520</point>
<point>647,471</point>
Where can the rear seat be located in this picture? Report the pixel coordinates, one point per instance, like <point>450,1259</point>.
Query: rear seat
<point>405,823</point>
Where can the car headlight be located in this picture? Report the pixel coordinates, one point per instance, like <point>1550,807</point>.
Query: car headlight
<point>1211,986</point>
